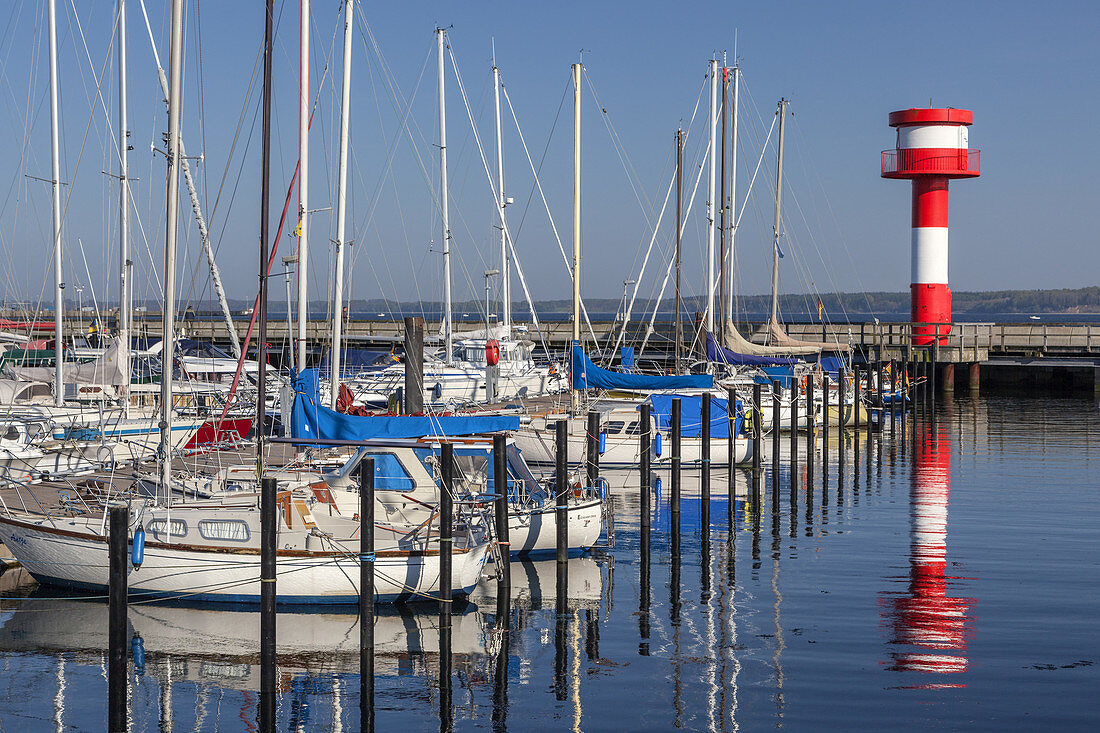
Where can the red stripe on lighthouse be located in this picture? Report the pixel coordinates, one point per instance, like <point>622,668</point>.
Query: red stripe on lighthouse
<point>930,202</point>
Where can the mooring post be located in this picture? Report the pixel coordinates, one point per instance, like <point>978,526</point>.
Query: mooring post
<point>811,433</point>
<point>794,437</point>
<point>757,433</point>
<point>704,461</point>
<point>366,594</point>
<point>561,491</point>
<point>731,452</point>
<point>500,512</point>
<point>644,581</point>
<point>414,365</point>
<point>118,648</point>
<point>269,537</point>
<point>645,470</point>
<point>893,397</point>
<point>857,404</point>
<point>593,445</point>
<point>446,545</point>
<point>676,462</point>
<point>776,424</point>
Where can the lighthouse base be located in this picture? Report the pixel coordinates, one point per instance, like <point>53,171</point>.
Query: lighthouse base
<point>930,313</point>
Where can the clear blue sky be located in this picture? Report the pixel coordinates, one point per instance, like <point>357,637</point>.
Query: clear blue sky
<point>1026,70</point>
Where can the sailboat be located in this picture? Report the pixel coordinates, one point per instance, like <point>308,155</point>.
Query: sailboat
<point>205,550</point>
<point>459,373</point>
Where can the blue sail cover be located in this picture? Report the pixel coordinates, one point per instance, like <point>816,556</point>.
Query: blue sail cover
<point>718,353</point>
<point>357,361</point>
<point>311,420</point>
<point>782,374</point>
<point>691,415</point>
<point>587,375</point>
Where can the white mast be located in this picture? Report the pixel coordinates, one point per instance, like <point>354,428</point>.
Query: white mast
<point>196,206</point>
<point>55,183</point>
<point>505,280</point>
<point>303,181</point>
<point>733,198</point>
<point>341,209</point>
<point>777,227</point>
<point>576,203</point>
<point>712,192</point>
<point>447,319</point>
<point>171,221</point>
<point>124,284</point>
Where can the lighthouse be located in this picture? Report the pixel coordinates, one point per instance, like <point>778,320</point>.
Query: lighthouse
<point>932,148</point>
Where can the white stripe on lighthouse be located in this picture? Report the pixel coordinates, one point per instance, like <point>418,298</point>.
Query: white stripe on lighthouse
<point>929,249</point>
<point>933,136</point>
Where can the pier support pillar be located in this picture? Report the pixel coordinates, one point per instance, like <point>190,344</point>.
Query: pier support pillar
<point>947,377</point>
<point>974,377</point>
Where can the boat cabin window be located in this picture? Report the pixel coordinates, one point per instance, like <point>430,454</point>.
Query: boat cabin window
<point>390,474</point>
<point>632,428</point>
<point>156,527</point>
<point>12,433</point>
<point>614,427</point>
<point>224,529</point>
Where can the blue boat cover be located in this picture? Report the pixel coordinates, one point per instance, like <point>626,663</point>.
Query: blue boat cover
<point>782,374</point>
<point>587,375</point>
<point>311,420</point>
<point>357,361</point>
<point>718,353</point>
<point>691,415</point>
<point>833,364</point>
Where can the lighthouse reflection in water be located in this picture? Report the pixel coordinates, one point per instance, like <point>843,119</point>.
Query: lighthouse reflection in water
<point>929,630</point>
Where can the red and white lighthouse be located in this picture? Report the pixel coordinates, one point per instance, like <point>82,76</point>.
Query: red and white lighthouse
<point>932,148</point>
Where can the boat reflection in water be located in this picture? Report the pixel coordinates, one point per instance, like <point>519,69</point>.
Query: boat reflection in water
<point>930,630</point>
<point>217,648</point>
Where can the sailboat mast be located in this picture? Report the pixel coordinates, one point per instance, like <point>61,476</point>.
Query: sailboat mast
<point>576,272</point>
<point>776,227</point>
<point>341,209</point>
<point>265,194</point>
<point>679,339</point>
<point>171,221</point>
<point>505,280</point>
<point>125,269</point>
<point>448,319</point>
<point>722,208</point>
<point>303,182</point>
<point>55,184</point>
<point>733,196</point>
<point>712,192</point>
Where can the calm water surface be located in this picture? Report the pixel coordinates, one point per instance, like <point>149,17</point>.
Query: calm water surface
<point>951,582</point>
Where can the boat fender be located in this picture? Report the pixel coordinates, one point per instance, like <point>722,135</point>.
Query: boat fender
<point>657,487</point>
<point>137,651</point>
<point>657,445</point>
<point>601,487</point>
<point>437,392</point>
<point>137,552</point>
<point>603,442</point>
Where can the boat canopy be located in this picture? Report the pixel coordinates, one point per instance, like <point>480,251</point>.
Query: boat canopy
<point>586,375</point>
<point>310,420</point>
<point>691,415</point>
<point>355,361</point>
<point>718,353</point>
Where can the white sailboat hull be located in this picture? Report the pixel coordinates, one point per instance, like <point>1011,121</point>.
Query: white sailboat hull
<point>72,554</point>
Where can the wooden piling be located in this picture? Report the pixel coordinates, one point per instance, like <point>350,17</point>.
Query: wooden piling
<point>366,594</point>
<point>704,463</point>
<point>414,365</point>
<point>500,512</point>
<point>268,542</point>
<point>561,490</point>
<point>117,631</point>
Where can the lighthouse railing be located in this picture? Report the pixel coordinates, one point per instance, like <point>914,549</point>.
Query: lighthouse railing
<point>905,162</point>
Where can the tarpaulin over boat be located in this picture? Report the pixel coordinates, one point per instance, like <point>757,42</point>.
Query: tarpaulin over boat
<point>782,374</point>
<point>354,361</point>
<point>311,420</point>
<point>586,375</point>
<point>691,415</point>
<point>722,355</point>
